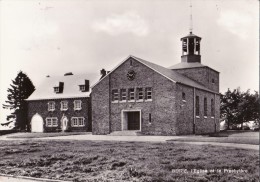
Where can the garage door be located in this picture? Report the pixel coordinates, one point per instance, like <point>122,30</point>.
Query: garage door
<point>37,123</point>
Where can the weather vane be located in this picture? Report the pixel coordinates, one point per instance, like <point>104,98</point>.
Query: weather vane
<point>190,17</point>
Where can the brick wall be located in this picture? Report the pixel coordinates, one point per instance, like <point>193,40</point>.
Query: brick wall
<point>41,107</point>
<point>203,75</point>
<point>101,107</point>
<point>186,111</point>
<point>170,115</point>
<point>161,108</point>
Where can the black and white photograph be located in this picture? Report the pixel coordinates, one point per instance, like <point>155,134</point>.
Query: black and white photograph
<point>129,90</point>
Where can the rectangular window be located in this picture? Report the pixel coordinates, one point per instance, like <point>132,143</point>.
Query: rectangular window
<point>115,95</point>
<point>148,93</point>
<point>77,121</point>
<point>52,122</point>
<point>81,121</point>
<point>212,108</point>
<point>205,107</point>
<point>197,106</point>
<point>150,118</point>
<point>131,94</point>
<point>123,95</point>
<point>51,106</point>
<point>77,104</point>
<point>64,105</point>
<point>56,89</point>
<point>82,88</point>
<point>48,122</point>
<point>140,93</point>
<point>183,96</point>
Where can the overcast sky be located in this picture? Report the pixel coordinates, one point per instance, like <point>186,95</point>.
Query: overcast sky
<point>52,37</point>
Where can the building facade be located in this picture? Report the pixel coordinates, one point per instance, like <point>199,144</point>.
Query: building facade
<point>145,97</point>
<point>61,104</point>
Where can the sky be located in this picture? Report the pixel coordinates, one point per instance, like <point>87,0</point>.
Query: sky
<point>52,37</point>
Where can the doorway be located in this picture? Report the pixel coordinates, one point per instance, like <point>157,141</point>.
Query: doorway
<point>37,123</point>
<point>131,120</point>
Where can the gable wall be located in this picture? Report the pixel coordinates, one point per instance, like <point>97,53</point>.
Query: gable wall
<point>162,107</point>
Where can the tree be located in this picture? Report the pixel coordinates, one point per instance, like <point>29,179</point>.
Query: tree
<point>21,88</point>
<point>239,107</point>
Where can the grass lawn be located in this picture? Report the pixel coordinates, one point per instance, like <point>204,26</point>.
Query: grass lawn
<point>41,135</point>
<point>241,137</point>
<point>127,161</point>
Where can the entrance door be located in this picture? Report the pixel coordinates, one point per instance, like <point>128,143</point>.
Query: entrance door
<point>133,120</point>
<point>37,123</point>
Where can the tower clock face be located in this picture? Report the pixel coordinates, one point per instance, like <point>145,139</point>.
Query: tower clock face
<point>131,75</point>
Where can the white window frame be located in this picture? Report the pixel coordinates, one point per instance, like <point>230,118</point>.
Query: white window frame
<point>51,122</point>
<point>75,121</point>
<point>131,94</point>
<point>51,106</point>
<point>148,92</point>
<point>77,105</point>
<point>62,104</point>
<point>123,95</point>
<point>140,94</point>
<point>115,95</point>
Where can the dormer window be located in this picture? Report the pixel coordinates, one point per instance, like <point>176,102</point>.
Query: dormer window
<point>84,87</point>
<point>56,89</point>
<point>59,88</point>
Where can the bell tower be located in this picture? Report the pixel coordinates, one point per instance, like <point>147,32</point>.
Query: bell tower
<point>190,45</point>
<point>191,49</point>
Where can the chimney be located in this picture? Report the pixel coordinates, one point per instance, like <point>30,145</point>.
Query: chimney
<point>68,74</point>
<point>103,73</point>
<point>87,85</point>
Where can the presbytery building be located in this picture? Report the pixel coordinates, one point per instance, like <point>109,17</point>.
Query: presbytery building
<point>144,97</point>
<point>60,104</point>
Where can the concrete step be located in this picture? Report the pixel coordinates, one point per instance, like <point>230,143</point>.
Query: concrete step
<point>126,133</point>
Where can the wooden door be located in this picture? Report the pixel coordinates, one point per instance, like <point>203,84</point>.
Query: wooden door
<point>133,120</point>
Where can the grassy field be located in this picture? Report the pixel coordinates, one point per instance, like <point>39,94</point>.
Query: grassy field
<point>241,137</point>
<point>127,161</point>
<point>41,135</point>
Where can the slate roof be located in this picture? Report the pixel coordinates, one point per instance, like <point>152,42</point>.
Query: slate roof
<point>45,90</point>
<point>173,75</point>
<point>186,65</point>
<point>166,72</point>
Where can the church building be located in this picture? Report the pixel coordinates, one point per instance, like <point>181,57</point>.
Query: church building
<point>144,97</point>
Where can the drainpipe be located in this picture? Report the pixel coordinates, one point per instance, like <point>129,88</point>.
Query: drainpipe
<point>215,113</point>
<point>109,98</point>
<point>194,111</point>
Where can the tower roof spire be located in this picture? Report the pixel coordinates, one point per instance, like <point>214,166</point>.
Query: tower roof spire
<point>190,17</point>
